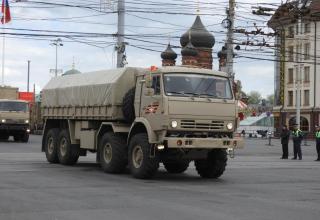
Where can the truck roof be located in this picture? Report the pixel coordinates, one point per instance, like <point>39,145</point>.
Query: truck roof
<point>186,69</point>
<point>102,88</point>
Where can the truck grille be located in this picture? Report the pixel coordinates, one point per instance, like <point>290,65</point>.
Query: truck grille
<point>192,124</point>
<point>14,121</point>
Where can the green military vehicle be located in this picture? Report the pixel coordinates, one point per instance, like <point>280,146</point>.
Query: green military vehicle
<point>138,118</point>
<point>14,120</point>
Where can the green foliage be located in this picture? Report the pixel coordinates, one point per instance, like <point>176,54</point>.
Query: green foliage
<point>270,99</point>
<point>254,97</point>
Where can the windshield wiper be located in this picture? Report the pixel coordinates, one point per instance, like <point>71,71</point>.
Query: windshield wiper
<point>184,93</point>
<point>207,95</point>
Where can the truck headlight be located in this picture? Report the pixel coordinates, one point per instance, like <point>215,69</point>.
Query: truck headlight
<point>229,126</point>
<point>26,121</point>
<point>174,124</point>
<point>3,120</point>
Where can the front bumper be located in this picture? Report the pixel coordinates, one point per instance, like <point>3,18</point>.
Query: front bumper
<point>204,143</point>
<point>14,127</point>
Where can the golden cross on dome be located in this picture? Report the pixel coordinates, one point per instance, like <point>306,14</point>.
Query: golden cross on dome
<point>198,7</point>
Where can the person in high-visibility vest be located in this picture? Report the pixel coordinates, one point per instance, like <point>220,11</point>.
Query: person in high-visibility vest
<point>297,138</point>
<point>318,142</point>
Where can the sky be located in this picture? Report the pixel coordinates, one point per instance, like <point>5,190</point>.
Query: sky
<point>93,53</point>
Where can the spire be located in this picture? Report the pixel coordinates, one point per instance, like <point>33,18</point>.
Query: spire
<point>198,8</point>
<point>73,64</point>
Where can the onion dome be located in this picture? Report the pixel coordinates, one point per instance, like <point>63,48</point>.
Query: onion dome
<point>169,54</point>
<point>200,36</point>
<point>71,72</point>
<point>189,50</point>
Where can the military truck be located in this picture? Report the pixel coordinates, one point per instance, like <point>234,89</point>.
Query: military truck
<point>14,120</point>
<point>8,92</point>
<point>137,118</point>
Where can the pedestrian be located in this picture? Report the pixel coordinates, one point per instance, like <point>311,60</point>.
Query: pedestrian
<point>285,134</point>
<point>318,142</point>
<point>297,138</point>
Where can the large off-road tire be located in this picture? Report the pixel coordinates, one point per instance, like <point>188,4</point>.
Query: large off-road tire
<point>128,106</point>
<point>113,153</point>
<point>68,153</point>
<point>17,137</point>
<point>143,157</point>
<point>4,137</point>
<point>214,165</point>
<point>51,145</point>
<point>25,137</point>
<point>178,166</point>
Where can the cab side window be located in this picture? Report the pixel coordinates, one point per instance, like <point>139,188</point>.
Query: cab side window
<point>156,85</point>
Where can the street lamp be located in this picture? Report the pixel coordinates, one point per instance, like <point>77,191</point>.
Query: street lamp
<point>57,43</point>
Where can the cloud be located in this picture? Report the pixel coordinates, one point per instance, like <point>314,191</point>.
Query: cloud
<point>255,77</point>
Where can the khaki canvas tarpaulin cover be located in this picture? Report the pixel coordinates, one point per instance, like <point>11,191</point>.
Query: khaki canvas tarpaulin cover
<point>100,88</point>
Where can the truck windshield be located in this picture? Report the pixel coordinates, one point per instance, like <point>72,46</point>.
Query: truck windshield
<point>14,106</point>
<point>197,85</point>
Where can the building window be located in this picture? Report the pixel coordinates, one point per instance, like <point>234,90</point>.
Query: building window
<point>307,28</point>
<point>297,29</point>
<point>290,98</point>
<point>306,76</point>
<point>290,75</point>
<point>297,53</point>
<point>306,97</point>
<point>307,51</point>
<point>290,53</point>
<point>290,32</point>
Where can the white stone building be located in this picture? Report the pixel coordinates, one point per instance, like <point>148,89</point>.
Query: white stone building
<point>297,67</point>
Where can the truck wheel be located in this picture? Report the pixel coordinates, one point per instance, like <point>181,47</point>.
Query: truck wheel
<point>17,137</point>
<point>113,153</point>
<point>68,153</point>
<point>4,137</point>
<point>143,162</point>
<point>128,106</point>
<point>51,145</point>
<point>176,166</point>
<point>214,165</point>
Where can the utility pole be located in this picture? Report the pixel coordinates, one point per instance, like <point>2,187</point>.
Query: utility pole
<point>121,47</point>
<point>301,12</point>
<point>57,43</point>
<point>230,54</point>
<point>28,81</point>
<point>299,67</point>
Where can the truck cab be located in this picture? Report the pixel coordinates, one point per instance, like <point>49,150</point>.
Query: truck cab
<point>186,102</point>
<point>14,120</point>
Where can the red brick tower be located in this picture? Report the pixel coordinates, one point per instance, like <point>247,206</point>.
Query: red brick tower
<point>189,55</point>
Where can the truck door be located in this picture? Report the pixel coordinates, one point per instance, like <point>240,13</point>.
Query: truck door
<point>151,98</point>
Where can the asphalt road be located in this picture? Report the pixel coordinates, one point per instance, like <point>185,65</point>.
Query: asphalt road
<point>256,185</point>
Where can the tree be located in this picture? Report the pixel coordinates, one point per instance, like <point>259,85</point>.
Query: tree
<point>270,99</point>
<point>254,97</point>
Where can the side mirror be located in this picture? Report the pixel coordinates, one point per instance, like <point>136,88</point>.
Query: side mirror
<point>149,92</point>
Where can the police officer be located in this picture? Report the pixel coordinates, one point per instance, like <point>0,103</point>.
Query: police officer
<point>297,138</point>
<point>285,134</point>
<point>318,142</point>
